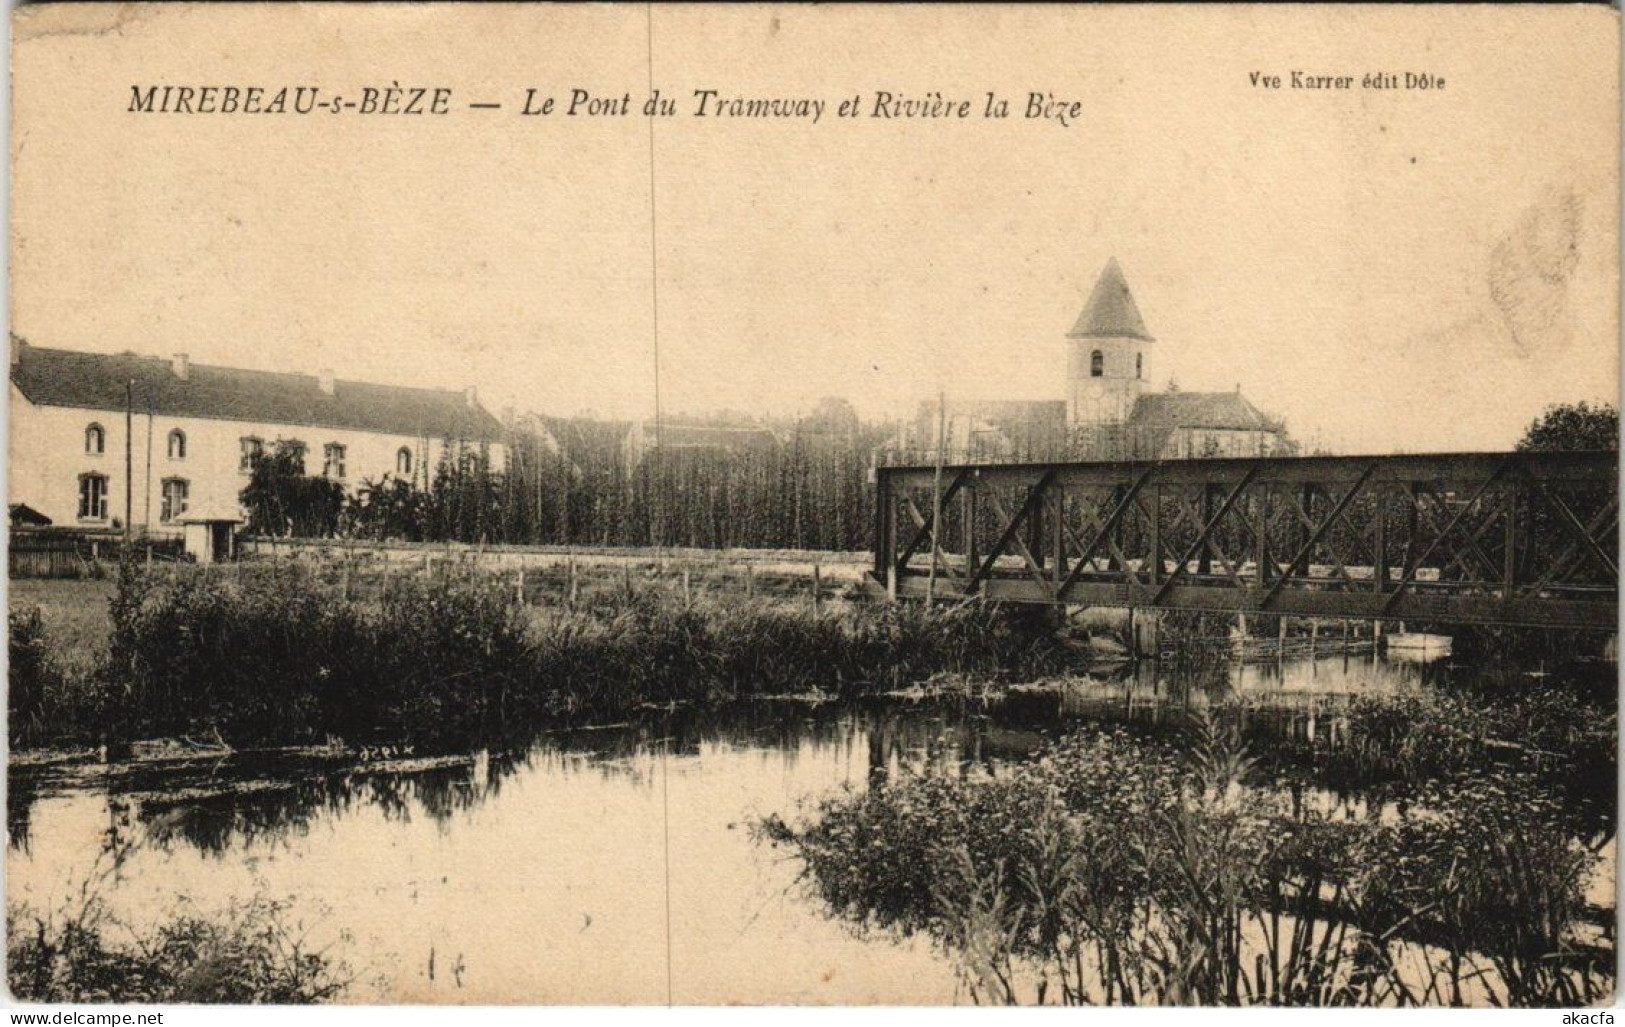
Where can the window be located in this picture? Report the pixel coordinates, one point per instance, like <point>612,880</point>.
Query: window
<point>177,445</point>
<point>403,460</point>
<point>175,493</point>
<point>1097,364</point>
<point>251,449</point>
<point>333,461</point>
<point>1139,365</point>
<point>95,440</point>
<point>297,449</point>
<point>92,497</point>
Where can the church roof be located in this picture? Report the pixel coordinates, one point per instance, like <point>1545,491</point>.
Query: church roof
<point>1223,410</point>
<point>96,381</point>
<point>1110,312</point>
<point>1035,411</point>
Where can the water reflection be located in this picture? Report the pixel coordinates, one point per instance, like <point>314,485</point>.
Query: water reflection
<point>541,872</point>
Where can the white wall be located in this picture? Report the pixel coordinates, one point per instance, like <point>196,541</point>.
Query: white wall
<point>1110,398</point>
<point>48,456</point>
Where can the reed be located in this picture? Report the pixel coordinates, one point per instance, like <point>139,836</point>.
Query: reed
<point>1120,870</point>
<point>273,658</point>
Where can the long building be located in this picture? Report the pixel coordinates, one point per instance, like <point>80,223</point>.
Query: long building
<point>196,429</point>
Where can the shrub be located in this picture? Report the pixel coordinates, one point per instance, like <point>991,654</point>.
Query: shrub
<point>29,676</point>
<point>251,954</point>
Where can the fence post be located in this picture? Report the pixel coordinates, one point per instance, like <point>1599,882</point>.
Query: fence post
<point>688,596</point>
<point>750,580</point>
<point>344,581</point>
<point>817,588</point>
<point>626,576</point>
<point>520,585</point>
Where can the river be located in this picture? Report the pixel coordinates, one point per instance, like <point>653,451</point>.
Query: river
<point>615,865</point>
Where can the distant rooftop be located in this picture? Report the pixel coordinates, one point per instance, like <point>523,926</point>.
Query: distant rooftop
<point>1217,410</point>
<point>96,381</point>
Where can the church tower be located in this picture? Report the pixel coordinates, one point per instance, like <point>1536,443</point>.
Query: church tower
<point>1109,358</point>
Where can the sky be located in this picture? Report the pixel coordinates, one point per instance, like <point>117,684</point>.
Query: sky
<point>1388,270</point>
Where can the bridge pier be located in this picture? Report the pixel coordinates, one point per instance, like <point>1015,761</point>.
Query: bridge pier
<point>1145,633</point>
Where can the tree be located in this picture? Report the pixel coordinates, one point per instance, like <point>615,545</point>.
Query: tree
<point>1573,426</point>
<point>833,417</point>
<point>389,509</point>
<point>282,499</point>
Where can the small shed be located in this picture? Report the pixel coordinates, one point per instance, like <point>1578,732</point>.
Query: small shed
<point>210,534</point>
<point>25,516</point>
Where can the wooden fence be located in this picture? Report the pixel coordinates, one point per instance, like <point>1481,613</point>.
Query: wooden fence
<point>541,575</point>
<point>59,553</point>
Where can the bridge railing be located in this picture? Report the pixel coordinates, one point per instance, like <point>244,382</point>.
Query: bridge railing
<point>1497,538</point>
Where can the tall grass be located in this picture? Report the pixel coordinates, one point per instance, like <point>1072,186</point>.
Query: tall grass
<point>77,951</point>
<point>250,953</point>
<point>1118,870</point>
<point>263,659</point>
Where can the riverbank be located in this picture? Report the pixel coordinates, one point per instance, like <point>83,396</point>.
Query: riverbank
<point>269,656</point>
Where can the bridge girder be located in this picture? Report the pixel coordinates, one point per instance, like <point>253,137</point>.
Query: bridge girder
<point>1482,538</point>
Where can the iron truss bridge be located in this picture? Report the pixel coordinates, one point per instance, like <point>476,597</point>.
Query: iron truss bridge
<point>1525,539</point>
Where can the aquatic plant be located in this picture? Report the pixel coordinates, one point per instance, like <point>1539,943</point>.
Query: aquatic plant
<point>1482,867</point>
<point>250,953</point>
<point>269,655</point>
<point>1120,870</point>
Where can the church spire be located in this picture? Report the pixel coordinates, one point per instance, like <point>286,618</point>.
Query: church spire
<point>1110,312</point>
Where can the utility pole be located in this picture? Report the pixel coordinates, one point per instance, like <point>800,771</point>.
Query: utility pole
<point>936,495</point>
<point>129,459</point>
<point>146,488</point>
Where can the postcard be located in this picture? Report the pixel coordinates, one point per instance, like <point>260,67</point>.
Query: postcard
<point>517,504</point>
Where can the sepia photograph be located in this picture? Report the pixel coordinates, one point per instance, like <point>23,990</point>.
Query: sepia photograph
<point>634,505</point>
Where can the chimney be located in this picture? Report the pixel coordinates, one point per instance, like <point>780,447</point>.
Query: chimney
<point>18,344</point>
<point>324,380</point>
<point>471,397</point>
<point>181,364</point>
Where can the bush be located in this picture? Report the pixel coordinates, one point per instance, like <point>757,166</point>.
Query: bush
<point>29,678</point>
<point>248,955</point>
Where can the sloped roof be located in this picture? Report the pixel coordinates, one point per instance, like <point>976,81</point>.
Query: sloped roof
<point>1032,411</point>
<point>96,381</point>
<point>1111,311</point>
<point>1222,410</point>
<point>24,515</point>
